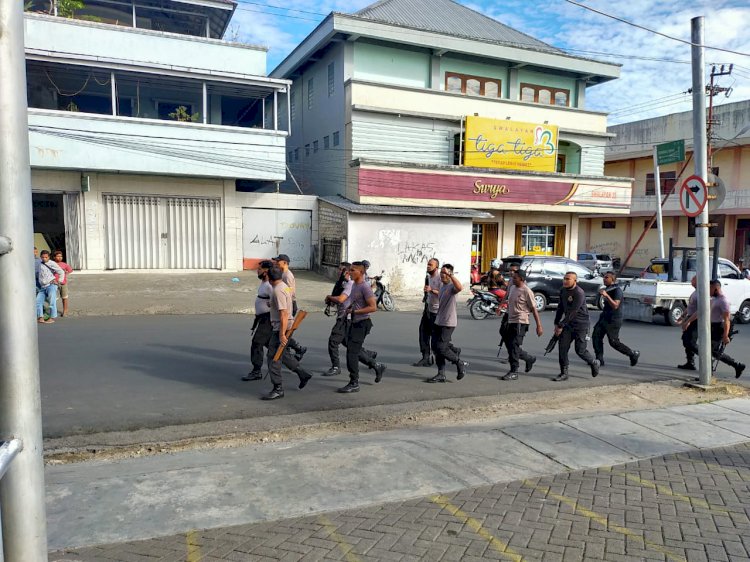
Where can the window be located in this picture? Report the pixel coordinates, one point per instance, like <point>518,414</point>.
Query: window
<point>310,92</point>
<point>331,80</point>
<point>727,272</point>
<point>555,268</point>
<point>667,180</point>
<point>561,163</point>
<point>472,85</point>
<point>609,225</point>
<point>336,138</point>
<point>316,146</point>
<point>307,150</point>
<point>293,105</point>
<point>545,95</point>
<point>296,154</point>
<point>326,142</point>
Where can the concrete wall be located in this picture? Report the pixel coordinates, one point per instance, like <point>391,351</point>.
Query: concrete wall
<point>402,245</point>
<point>320,172</point>
<point>98,41</point>
<point>388,65</point>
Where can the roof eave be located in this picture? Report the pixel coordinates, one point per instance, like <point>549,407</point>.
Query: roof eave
<point>318,38</point>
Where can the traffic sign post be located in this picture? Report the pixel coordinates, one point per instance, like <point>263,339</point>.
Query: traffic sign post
<point>670,152</point>
<point>693,196</point>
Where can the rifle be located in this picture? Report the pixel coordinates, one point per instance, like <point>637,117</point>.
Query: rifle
<point>551,345</point>
<point>427,284</point>
<point>297,321</point>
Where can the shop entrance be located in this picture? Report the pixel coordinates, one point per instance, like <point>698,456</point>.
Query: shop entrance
<point>484,244</point>
<point>57,225</point>
<point>540,240</point>
<point>742,243</point>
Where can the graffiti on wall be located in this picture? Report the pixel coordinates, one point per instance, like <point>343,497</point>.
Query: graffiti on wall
<point>415,252</point>
<point>388,237</point>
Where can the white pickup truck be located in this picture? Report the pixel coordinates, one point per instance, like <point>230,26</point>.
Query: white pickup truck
<point>645,298</point>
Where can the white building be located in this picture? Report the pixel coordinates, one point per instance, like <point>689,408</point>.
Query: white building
<point>381,103</point>
<point>149,134</point>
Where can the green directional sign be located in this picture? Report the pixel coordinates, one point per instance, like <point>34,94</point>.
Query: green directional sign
<point>670,152</point>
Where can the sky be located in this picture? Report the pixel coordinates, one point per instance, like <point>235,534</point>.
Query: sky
<point>655,74</point>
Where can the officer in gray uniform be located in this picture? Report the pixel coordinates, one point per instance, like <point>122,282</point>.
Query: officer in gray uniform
<point>262,329</point>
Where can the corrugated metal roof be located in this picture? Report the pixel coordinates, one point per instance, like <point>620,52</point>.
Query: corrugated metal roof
<point>450,18</point>
<point>360,209</point>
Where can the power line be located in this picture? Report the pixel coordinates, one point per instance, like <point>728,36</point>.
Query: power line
<point>644,28</point>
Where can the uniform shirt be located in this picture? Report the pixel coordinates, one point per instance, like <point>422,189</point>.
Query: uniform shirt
<point>521,303</point>
<point>433,300</point>
<point>572,309</point>
<point>609,313</point>
<point>288,278</point>
<point>344,306</point>
<point>281,303</point>
<point>692,304</point>
<point>446,315</point>
<point>263,300</point>
<point>358,297</point>
<point>719,307</point>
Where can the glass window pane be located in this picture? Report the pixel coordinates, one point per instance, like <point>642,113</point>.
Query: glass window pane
<point>527,94</point>
<point>561,98</point>
<point>472,86</point>
<point>545,96</point>
<point>491,90</point>
<point>454,84</point>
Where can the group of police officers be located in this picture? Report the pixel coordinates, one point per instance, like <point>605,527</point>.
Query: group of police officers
<point>353,301</point>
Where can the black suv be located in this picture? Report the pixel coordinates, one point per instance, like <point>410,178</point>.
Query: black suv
<point>544,276</point>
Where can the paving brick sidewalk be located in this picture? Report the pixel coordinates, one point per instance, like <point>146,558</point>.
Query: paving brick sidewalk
<point>689,506</point>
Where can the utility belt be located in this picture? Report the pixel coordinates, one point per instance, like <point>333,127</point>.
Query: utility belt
<point>262,318</point>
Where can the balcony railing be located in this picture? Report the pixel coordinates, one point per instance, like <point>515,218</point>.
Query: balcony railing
<point>736,199</point>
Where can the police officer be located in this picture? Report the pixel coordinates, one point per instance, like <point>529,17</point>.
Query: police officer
<point>339,297</point>
<point>283,261</point>
<point>572,324</point>
<point>281,321</point>
<point>427,323</point>
<point>262,329</point>
<point>361,304</point>
<point>721,324</point>
<point>610,322</point>
<point>690,330</point>
<point>521,304</point>
<point>445,324</point>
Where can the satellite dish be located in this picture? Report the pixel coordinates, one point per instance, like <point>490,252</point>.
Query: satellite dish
<point>717,191</point>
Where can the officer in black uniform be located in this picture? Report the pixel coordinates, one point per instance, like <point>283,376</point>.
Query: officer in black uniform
<point>572,324</point>
<point>610,322</point>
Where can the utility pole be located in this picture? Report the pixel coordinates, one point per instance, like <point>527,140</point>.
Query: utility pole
<point>700,156</point>
<point>714,90</point>
<point>24,527</point>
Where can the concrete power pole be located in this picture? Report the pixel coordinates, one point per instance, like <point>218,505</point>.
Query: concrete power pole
<point>700,155</point>
<point>24,527</point>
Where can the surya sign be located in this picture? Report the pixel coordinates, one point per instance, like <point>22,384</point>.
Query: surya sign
<point>511,145</point>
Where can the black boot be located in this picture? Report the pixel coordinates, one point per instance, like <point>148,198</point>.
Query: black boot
<point>424,362</point>
<point>563,376</point>
<point>353,386</point>
<point>276,393</point>
<point>440,377</point>
<point>461,368</point>
<point>634,358</point>
<point>595,367</point>
<point>738,369</point>
<point>530,364</point>
<point>379,369</point>
<point>600,358</point>
<point>304,377</point>
<point>511,375</point>
<point>332,372</point>
<point>689,365</point>
<point>254,375</point>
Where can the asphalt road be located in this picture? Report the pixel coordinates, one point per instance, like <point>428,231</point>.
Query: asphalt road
<point>130,372</point>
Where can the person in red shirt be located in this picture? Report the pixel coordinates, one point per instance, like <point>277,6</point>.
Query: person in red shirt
<point>57,255</point>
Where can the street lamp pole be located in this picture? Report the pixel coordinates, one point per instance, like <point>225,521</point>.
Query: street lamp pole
<point>24,527</point>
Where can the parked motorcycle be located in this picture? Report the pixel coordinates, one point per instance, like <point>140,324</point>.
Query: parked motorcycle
<point>485,303</point>
<point>382,295</point>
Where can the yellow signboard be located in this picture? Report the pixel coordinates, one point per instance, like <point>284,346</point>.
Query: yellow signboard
<point>511,145</point>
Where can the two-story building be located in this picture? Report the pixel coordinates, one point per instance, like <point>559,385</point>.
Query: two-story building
<point>149,133</point>
<point>428,129</point>
<point>631,154</point>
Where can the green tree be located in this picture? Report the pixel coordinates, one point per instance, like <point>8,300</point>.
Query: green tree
<point>68,8</point>
<point>182,114</point>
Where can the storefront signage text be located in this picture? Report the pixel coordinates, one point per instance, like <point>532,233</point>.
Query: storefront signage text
<point>511,145</point>
<point>493,189</point>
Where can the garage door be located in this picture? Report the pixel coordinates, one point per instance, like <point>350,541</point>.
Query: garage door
<point>155,232</point>
<point>267,233</point>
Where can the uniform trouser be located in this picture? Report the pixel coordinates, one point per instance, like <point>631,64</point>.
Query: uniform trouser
<point>261,338</point>
<point>717,335</point>
<point>611,329</point>
<point>513,339</point>
<point>442,347</point>
<point>287,358</point>
<point>690,342</point>
<point>567,337</point>
<point>355,352</point>
<point>426,328</point>
<point>339,334</point>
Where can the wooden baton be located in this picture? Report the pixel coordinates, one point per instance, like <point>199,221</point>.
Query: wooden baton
<point>297,321</point>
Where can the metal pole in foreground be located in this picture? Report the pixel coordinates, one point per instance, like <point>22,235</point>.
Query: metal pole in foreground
<point>24,526</point>
<point>700,146</point>
<point>659,220</point>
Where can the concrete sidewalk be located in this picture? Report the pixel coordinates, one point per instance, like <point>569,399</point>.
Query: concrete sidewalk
<point>192,293</point>
<point>100,502</point>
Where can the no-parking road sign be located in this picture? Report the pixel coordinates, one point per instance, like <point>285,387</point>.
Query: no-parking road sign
<point>693,196</point>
